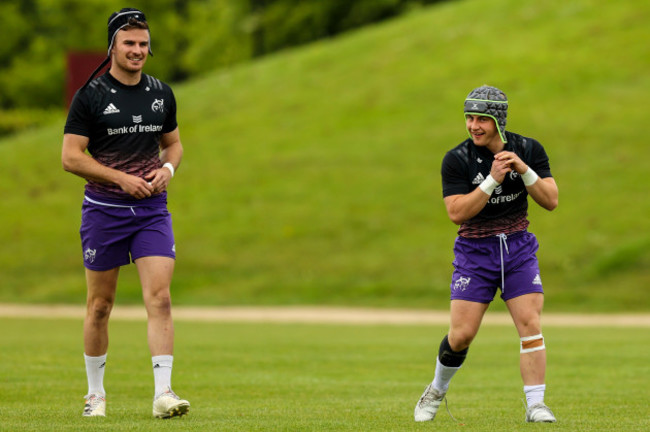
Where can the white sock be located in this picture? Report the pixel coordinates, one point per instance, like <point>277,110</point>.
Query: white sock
<point>95,367</point>
<point>534,394</point>
<point>162,373</point>
<point>443,376</point>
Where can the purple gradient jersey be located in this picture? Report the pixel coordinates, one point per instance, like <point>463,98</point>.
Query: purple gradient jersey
<point>124,125</point>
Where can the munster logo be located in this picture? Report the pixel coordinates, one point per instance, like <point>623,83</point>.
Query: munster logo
<point>89,255</point>
<point>462,283</point>
<point>158,105</point>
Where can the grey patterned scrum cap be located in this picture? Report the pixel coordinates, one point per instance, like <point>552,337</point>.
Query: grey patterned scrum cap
<point>490,102</point>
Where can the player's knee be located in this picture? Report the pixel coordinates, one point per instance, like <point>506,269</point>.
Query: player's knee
<point>448,356</point>
<point>458,340</point>
<point>528,344</point>
<point>160,301</point>
<point>99,309</point>
<point>529,321</point>
<point>531,325</point>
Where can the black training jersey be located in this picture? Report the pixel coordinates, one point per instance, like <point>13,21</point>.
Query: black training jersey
<point>466,166</point>
<point>124,125</point>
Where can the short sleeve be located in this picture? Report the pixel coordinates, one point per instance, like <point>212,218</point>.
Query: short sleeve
<point>79,117</point>
<point>454,176</point>
<point>539,160</point>
<point>170,120</point>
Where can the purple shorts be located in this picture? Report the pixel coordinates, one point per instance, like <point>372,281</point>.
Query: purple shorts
<point>114,235</point>
<point>480,270</point>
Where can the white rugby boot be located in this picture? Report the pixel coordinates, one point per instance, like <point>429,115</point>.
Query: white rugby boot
<point>539,413</point>
<point>168,404</point>
<point>95,406</point>
<point>427,406</point>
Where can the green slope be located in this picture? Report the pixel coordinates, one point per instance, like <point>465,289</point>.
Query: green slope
<point>312,176</point>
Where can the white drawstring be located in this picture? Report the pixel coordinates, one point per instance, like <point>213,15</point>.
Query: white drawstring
<point>503,242</point>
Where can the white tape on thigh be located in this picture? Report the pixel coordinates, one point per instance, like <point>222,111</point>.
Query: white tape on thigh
<point>531,343</point>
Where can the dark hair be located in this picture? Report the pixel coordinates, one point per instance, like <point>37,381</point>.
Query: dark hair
<point>136,24</point>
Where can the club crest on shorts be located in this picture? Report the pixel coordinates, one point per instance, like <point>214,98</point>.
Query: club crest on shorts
<point>462,283</point>
<point>89,255</point>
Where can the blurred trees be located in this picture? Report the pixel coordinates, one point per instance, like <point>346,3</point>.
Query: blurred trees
<point>188,37</point>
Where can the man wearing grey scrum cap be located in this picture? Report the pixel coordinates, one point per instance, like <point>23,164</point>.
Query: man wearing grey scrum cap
<point>122,136</point>
<point>486,181</point>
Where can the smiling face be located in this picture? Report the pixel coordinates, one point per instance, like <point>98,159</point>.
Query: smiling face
<point>129,53</point>
<point>484,132</point>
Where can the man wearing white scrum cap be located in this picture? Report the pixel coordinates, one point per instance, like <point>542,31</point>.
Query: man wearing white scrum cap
<point>122,136</point>
<point>486,181</point>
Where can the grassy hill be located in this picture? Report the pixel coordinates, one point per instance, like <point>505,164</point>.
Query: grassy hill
<point>312,176</point>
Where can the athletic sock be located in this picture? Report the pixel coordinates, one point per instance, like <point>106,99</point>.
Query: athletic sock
<point>443,376</point>
<point>162,373</point>
<point>534,394</point>
<point>95,367</point>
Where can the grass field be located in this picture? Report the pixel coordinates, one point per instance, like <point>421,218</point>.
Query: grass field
<point>312,177</point>
<point>287,377</point>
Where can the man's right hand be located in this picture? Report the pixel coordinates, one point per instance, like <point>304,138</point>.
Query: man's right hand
<point>499,170</point>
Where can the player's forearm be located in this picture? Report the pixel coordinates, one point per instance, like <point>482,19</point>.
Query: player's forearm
<point>171,148</point>
<point>545,193</point>
<point>86,167</point>
<point>172,154</point>
<point>461,208</point>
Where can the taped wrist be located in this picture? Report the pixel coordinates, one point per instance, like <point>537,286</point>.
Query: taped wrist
<point>170,167</point>
<point>529,177</point>
<point>449,357</point>
<point>488,185</point>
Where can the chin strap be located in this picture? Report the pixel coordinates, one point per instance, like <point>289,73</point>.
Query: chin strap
<point>96,71</point>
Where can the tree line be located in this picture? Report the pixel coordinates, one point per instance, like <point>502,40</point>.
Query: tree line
<point>188,38</point>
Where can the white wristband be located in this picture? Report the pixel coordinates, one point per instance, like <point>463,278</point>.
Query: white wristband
<point>529,177</point>
<point>170,167</point>
<point>488,185</point>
